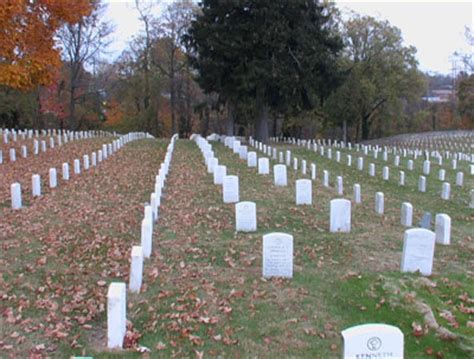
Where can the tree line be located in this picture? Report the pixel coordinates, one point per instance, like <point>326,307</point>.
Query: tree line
<point>241,67</point>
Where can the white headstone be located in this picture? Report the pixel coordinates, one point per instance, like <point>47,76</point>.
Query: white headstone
<point>279,174</point>
<point>340,185</point>
<point>442,174</point>
<point>340,215</point>
<point>446,191</point>
<point>426,167</point>
<point>459,179</point>
<point>12,155</point>
<point>379,203</point>
<point>230,189</point>
<point>410,165</point>
<point>422,184</point>
<point>371,169</point>
<point>401,181</point>
<point>65,171</point>
<point>385,173</point>
<point>94,159</point>
<point>146,237</point>
<point>236,147</point>
<point>77,166</point>
<point>313,171</point>
<point>154,203</point>
<point>295,164</point>
<point>53,181</point>
<point>407,214</point>
<point>303,192</point>
<point>263,166</point>
<point>372,341</point>
<point>36,185</point>
<point>252,159</point>
<point>243,153</point>
<point>277,255</point>
<point>219,173</point>
<point>15,189</point>
<point>212,163</point>
<point>303,167</point>
<point>418,251</point>
<point>325,178</point>
<point>443,229</point>
<point>360,163</point>
<point>357,194</point>
<point>136,269</point>
<point>288,158</point>
<point>245,217</point>
<point>116,315</point>
<point>85,160</point>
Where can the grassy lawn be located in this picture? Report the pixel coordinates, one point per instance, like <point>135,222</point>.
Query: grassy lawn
<point>62,249</point>
<point>203,293</point>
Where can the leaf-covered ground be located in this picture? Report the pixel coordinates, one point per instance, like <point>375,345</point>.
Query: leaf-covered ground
<point>203,295</point>
<point>60,252</point>
<point>22,170</point>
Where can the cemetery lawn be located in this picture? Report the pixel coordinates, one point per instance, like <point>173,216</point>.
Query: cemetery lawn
<point>62,249</point>
<point>22,170</point>
<point>203,294</point>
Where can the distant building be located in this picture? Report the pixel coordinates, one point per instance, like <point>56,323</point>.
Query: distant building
<point>445,94</point>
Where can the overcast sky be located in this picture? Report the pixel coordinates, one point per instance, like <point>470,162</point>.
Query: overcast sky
<point>435,28</point>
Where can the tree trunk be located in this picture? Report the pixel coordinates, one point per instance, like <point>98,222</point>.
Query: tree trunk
<point>262,118</point>
<point>344,131</point>
<point>72,109</point>
<point>174,125</point>
<point>365,128</point>
<point>275,123</point>
<point>357,135</point>
<point>188,128</point>
<point>204,117</point>
<point>229,124</point>
<point>157,117</point>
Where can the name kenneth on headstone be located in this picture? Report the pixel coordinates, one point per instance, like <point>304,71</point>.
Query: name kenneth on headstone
<point>371,341</point>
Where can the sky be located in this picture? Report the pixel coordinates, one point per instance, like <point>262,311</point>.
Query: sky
<point>435,28</point>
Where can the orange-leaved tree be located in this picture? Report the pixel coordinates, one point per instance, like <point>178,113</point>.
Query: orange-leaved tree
<point>28,55</point>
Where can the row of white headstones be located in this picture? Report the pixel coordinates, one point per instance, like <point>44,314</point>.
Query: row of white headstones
<point>385,151</point>
<point>95,159</point>
<point>116,295</point>
<point>442,140</point>
<point>422,181</point>
<point>405,151</point>
<point>43,144</point>
<point>340,209</point>
<point>12,135</point>
<point>340,217</point>
<point>277,251</point>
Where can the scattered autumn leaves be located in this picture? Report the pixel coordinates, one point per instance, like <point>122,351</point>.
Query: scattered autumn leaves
<point>60,252</point>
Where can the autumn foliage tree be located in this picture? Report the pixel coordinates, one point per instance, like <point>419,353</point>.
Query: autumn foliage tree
<point>28,55</point>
